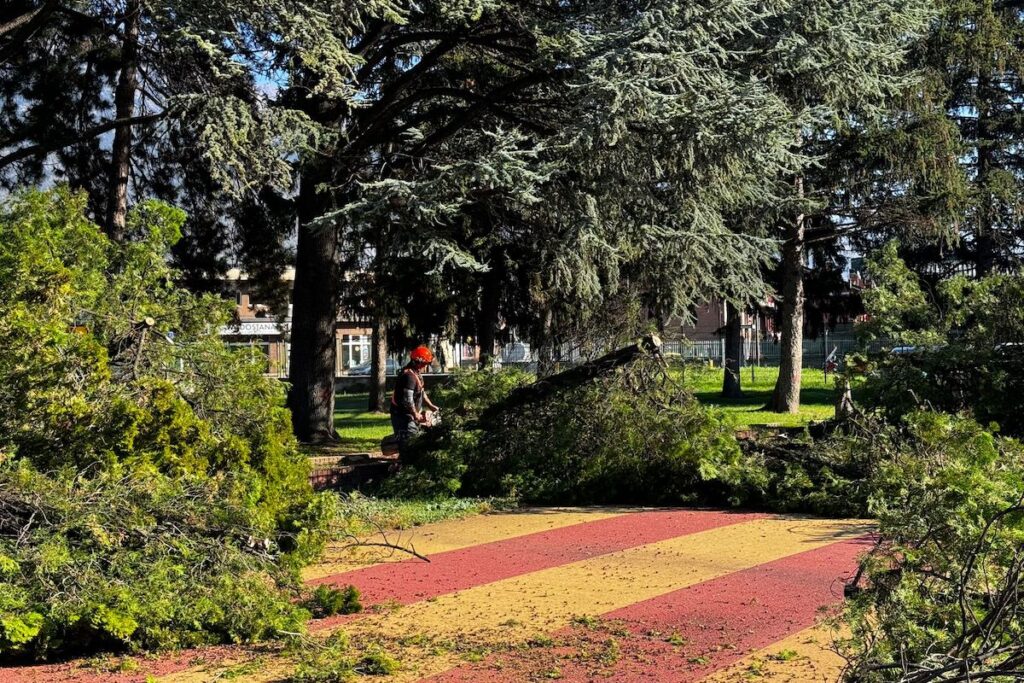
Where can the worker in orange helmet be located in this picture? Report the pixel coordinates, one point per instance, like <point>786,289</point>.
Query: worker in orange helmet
<point>409,397</point>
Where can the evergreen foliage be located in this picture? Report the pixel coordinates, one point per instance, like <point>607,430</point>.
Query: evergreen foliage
<point>956,147</point>
<point>939,598</point>
<point>609,208</point>
<point>205,68</point>
<point>624,438</point>
<point>544,168</point>
<point>200,124</point>
<point>836,80</point>
<point>327,602</point>
<point>151,493</point>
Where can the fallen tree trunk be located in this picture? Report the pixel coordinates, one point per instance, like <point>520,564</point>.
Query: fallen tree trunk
<point>573,377</point>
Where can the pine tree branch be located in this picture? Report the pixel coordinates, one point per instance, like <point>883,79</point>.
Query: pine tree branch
<point>441,112</point>
<point>24,26</point>
<point>497,95</point>
<point>387,49</point>
<point>66,141</point>
<point>27,17</point>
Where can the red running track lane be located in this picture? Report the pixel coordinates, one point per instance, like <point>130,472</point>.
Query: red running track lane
<point>414,580</point>
<point>719,621</point>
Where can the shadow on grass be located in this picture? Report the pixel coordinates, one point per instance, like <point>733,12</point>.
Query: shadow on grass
<point>360,431</point>
<point>351,444</point>
<point>757,399</point>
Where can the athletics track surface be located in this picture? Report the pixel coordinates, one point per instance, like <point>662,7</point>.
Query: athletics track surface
<point>574,595</point>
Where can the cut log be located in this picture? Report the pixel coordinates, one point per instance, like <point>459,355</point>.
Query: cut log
<point>573,377</point>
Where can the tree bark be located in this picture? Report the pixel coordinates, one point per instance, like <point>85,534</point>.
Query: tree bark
<point>786,397</point>
<point>378,366</point>
<point>124,106</point>
<point>985,246</point>
<point>731,384</point>
<point>546,351</point>
<point>573,377</point>
<point>845,408</point>
<point>489,314</point>
<point>314,313</point>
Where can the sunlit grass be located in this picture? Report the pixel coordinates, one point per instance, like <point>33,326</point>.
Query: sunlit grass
<point>360,431</point>
<point>392,513</point>
<point>817,397</point>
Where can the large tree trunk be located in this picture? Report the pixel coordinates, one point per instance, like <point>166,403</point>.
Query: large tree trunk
<point>575,376</point>
<point>786,397</point>
<point>731,385</point>
<point>314,313</point>
<point>124,105</point>
<point>378,366</point>
<point>985,247</point>
<point>546,351</point>
<point>490,313</point>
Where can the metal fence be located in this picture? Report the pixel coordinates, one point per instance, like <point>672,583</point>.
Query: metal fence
<point>760,353</point>
<point>765,352</point>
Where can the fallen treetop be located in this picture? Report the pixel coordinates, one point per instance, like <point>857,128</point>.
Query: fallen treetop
<point>573,377</point>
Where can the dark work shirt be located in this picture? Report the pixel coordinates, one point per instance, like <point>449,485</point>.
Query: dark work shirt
<point>408,391</point>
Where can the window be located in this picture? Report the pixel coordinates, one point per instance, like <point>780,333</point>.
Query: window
<point>253,345</point>
<point>355,350</point>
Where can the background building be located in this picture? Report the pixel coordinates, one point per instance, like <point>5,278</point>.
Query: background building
<point>257,325</point>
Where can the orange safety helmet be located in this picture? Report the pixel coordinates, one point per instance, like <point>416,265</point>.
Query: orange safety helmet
<point>421,354</point>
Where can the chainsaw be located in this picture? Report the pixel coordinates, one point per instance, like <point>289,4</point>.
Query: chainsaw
<point>389,444</point>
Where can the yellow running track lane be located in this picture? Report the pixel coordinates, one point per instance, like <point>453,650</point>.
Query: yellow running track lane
<point>464,533</point>
<point>509,612</point>
<point>803,657</point>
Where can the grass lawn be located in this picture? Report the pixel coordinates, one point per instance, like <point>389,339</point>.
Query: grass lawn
<point>817,399</point>
<point>371,514</point>
<point>360,431</point>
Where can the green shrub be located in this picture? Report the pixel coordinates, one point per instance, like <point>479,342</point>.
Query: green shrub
<point>967,338</point>
<point>327,601</point>
<point>151,492</point>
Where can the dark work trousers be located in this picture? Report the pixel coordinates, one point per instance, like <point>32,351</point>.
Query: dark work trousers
<point>404,426</point>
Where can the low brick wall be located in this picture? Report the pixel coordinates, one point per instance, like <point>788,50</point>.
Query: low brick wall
<point>350,472</point>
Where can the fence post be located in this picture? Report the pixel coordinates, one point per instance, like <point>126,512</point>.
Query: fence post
<point>824,355</point>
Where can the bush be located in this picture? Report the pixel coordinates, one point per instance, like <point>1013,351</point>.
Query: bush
<point>151,492</point>
<point>941,592</point>
<point>624,438</point>
<point>967,338</point>
<point>825,476</point>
